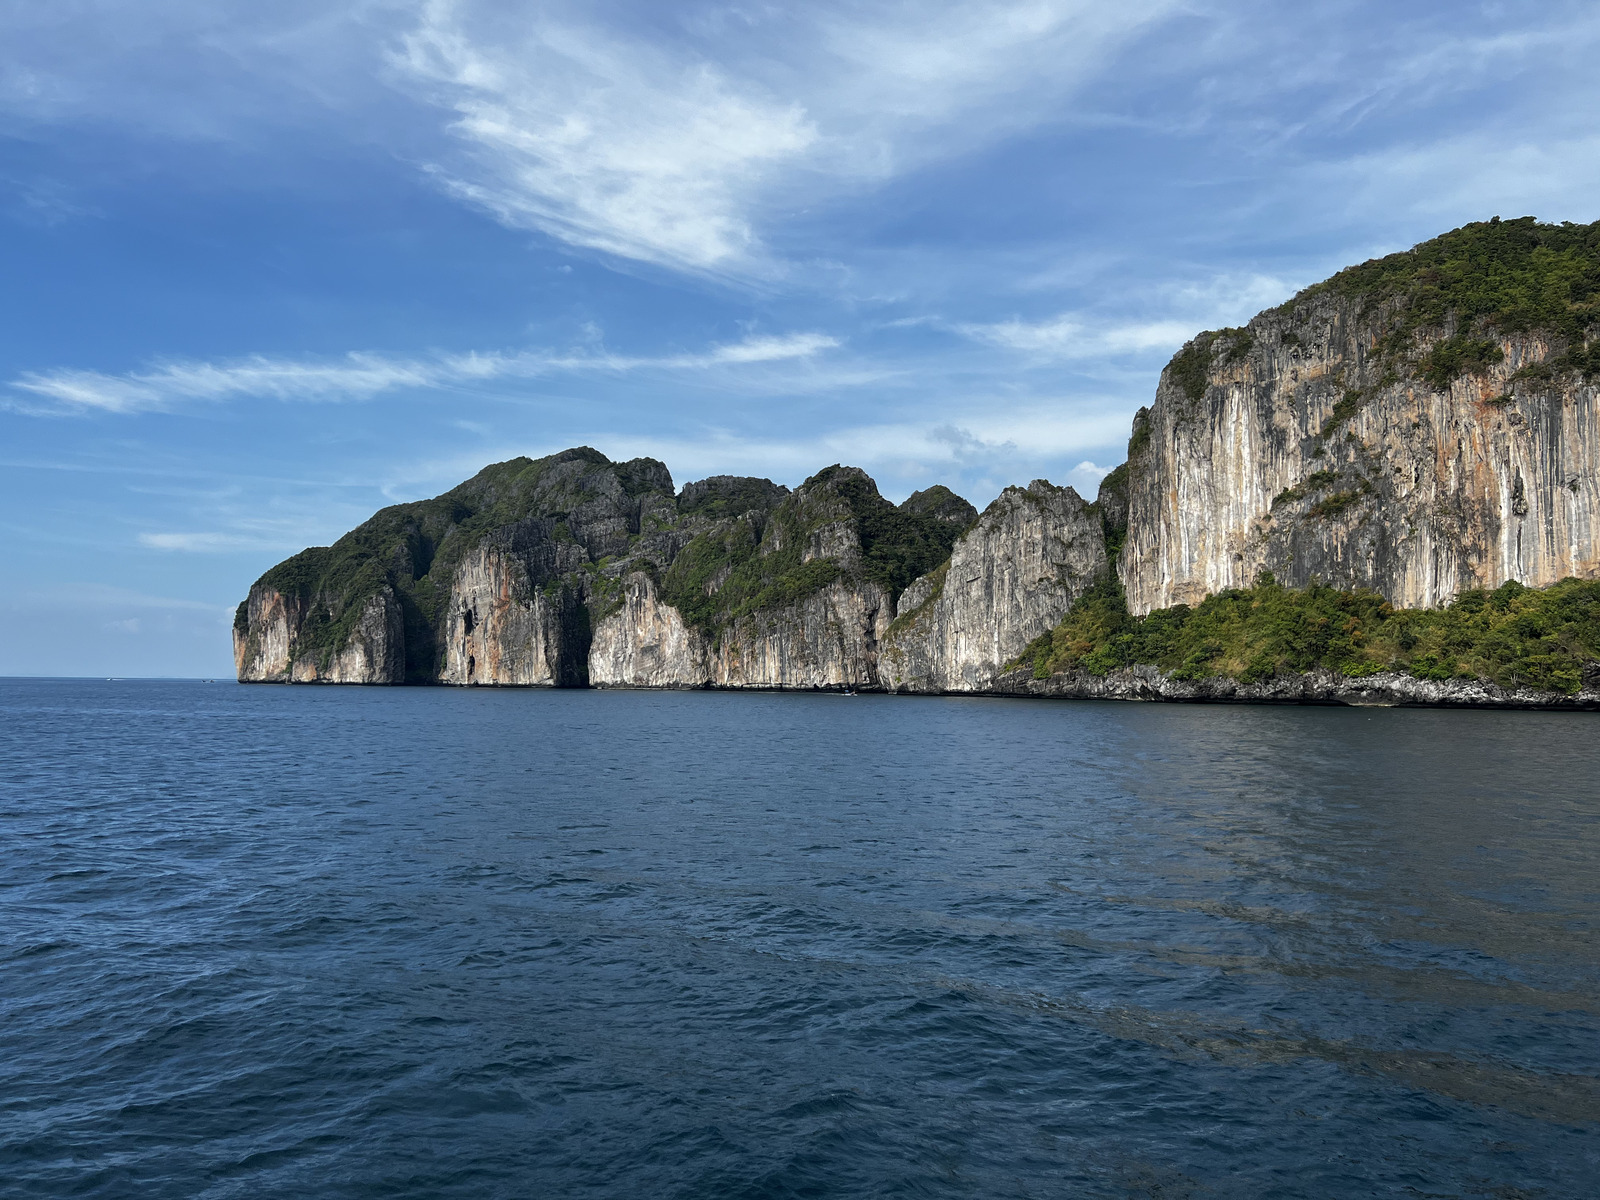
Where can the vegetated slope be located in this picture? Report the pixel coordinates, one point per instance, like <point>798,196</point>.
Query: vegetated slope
<point>577,505</point>
<point>833,525</point>
<point>1513,636</point>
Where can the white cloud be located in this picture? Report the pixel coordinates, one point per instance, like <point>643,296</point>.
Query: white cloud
<point>670,149</point>
<point>1094,469</point>
<point>1069,337</point>
<point>980,441</point>
<point>362,376</point>
<point>1188,307</point>
<point>201,542</point>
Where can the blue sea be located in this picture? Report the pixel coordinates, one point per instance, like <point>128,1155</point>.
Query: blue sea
<point>344,942</point>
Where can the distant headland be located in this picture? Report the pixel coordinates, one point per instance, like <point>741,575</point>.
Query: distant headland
<point>1384,491</point>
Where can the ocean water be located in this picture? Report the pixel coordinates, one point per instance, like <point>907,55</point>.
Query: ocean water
<point>293,942</point>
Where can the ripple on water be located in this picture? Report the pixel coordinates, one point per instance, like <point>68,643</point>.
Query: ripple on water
<point>367,942</point>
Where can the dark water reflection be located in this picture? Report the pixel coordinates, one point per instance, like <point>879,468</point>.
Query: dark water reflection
<point>287,942</point>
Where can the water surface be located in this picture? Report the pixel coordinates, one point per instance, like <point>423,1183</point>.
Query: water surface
<point>341,942</point>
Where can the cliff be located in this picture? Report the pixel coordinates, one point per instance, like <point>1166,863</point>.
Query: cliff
<point>1421,425</point>
<point>1010,578</point>
<point>573,570</point>
<point>1384,490</point>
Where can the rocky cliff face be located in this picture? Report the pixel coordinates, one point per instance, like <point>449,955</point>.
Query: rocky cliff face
<point>1420,425</point>
<point>646,643</point>
<point>1390,689</point>
<point>1010,578</point>
<point>574,570</point>
<point>796,593</point>
<point>268,647</point>
<point>501,628</point>
<point>1372,435</point>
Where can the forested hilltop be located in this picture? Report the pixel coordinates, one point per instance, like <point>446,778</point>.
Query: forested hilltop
<point>1383,490</point>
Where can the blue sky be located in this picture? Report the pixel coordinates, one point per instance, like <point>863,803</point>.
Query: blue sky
<point>271,267</point>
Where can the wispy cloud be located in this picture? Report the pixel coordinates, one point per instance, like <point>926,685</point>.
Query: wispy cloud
<point>99,596</point>
<point>1186,308</point>
<point>669,149</point>
<point>203,542</point>
<point>1069,337</point>
<point>362,376</point>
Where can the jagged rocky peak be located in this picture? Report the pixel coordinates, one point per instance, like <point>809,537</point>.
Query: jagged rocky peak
<point>1010,577</point>
<point>799,595</point>
<point>940,503</point>
<point>1112,502</point>
<point>730,496</point>
<point>1422,424</point>
<point>572,569</point>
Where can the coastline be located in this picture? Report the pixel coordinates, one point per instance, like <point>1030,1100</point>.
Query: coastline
<point>1148,684</point>
<point>1386,689</point>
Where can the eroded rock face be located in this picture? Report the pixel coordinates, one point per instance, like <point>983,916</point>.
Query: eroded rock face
<point>500,629</point>
<point>375,649</point>
<point>828,640</point>
<point>1010,578</point>
<point>271,648</point>
<point>646,643</point>
<point>1306,456</point>
<point>261,648</point>
<point>573,569</point>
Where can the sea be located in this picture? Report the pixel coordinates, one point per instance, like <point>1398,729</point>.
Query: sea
<point>331,942</point>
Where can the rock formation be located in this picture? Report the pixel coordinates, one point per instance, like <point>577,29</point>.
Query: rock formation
<point>573,570</point>
<point>1374,433</point>
<point>1009,579</point>
<point>1421,425</point>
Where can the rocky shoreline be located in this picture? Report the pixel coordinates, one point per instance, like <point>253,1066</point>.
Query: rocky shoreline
<point>1149,684</point>
<point>1387,689</point>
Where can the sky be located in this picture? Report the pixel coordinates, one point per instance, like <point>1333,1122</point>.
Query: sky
<point>268,268</point>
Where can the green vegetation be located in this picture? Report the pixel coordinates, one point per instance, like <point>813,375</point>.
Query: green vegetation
<point>729,496</point>
<point>1334,504</point>
<point>1112,505</point>
<point>721,575</point>
<point>939,501</point>
<point>1516,276</point>
<point>1314,482</point>
<point>1190,368</point>
<point>1513,636</point>
<point>905,620</point>
<point>1344,408</point>
<point>1141,435</point>
<point>1484,280</point>
<point>1458,356</point>
<point>1489,277</point>
<point>897,545</point>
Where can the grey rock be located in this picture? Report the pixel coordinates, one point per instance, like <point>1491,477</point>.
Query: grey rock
<point>1010,578</point>
<point>1416,493</point>
<point>1387,689</point>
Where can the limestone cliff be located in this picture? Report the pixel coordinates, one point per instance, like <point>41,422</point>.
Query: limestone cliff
<point>1009,579</point>
<point>1424,425</point>
<point>796,592</point>
<point>278,643</point>
<point>1420,425</point>
<point>573,570</point>
<point>646,643</point>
